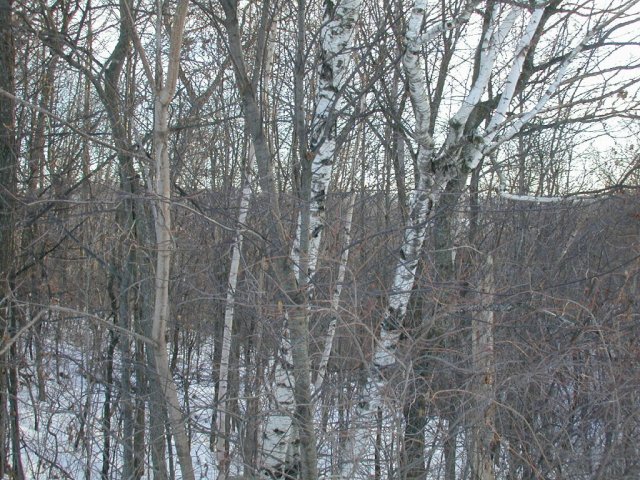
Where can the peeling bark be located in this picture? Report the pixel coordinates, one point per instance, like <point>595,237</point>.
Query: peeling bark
<point>336,36</point>
<point>292,377</point>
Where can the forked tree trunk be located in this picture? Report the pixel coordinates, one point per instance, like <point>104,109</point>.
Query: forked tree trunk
<point>164,244</point>
<point>435,173</point>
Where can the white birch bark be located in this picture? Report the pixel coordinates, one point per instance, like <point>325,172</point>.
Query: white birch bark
<point>293,358</point>
<point>419,202</point>
<point>491,42</point>
<point>223,385</point>
<point>435,172</point>
<point>221,451</point>
<point>344,260</point>
<point>522,48</point>
<point>336,37</point>
<point>506,97</point>
<point>335,299</point>
<point>488,143</point>
<point>275,439</point>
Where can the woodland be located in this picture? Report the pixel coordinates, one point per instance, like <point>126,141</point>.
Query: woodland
<point>341,240</point>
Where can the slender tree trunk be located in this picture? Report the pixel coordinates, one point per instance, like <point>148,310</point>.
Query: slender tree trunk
<point>108,385</point>
<point>222,451</point>
<point>336,35</point>
<point>157,423</point>
<point>222,445</point>
<point>126,394</point>
<point>139,413</point>
<point>126,214</point>
<point>254,385</point>
<point>344,259</point>
<point>37,161</point>
<point>335,40</point>
<point>8,164</point>
<point>485,440</point>
<point>277,429</point>
<point>164,243</point>
<point>414,444</point>
<point>335,299</point>
<point>16,457</point>
<point>450,449</point>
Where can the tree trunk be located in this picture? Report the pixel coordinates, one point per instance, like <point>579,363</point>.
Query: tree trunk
<point>222,451</point>
<point>164,242</point>
<point>126,393</point>
<point>126,214</point>
<point>485,440</point>
<point>450,448</point>
<point>336,35</point>
<point>335,299</point>
<point>16,457</point>
<point>8,164</point>
<point>435,172</point>
<point>296,368</point>
<point>414,444</point>
<point>139,413</point>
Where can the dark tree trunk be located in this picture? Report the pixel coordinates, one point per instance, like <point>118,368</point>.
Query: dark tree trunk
<point>7,191</point>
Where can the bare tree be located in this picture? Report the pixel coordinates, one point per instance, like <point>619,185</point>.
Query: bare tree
<point>364,241</point>
<point>8,166</point>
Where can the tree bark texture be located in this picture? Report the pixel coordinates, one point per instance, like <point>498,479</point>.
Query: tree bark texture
<point>336,36</point>
<point>485,439</point>
<point>164,241</point>
<point>8,165</point>
<point>222,433</point>
<point>222,439</point>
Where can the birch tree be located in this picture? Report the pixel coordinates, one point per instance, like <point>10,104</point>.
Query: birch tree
<point>463,147</point>
<point>221,449</point>
<point>282,271</point>
<point>507,364</point>
<point>335,35</point>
